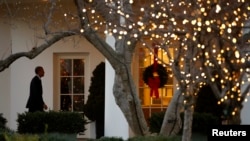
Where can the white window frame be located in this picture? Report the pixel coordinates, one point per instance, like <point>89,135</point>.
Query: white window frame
<point>56,70</point>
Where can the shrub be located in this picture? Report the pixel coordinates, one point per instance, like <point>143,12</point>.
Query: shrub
<point>3,121</point>
<point>155,138</point>
<point>155,122</point>
<point>140,138</point>
<point>94,108</point>
<point>2,132</point>
<point>201,121</point>
<point>57,137</point>
<point>106,139</point>
<point>20,137</point>
<point>61,122</point>
<point>110,139</point>
<point>39,137</point>
<point>206,102</point>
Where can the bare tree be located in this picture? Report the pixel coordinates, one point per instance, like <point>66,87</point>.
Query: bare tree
<point>210,53</point>
<point>206,36</point>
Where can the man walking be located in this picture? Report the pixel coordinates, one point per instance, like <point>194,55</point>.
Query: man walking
<point>35,101</point>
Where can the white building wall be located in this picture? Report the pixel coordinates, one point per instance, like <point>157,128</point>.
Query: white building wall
<point>245,114</point>
<point>5,94</point>
<point>15,81</point>
<point>5,48</point>
<point>115,122</point>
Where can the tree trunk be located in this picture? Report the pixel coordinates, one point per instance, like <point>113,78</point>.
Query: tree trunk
<point>172,122</point>
<point>188,113</point>
<point>187,126</point>
<point>235,119</point>
<point>128,101</point>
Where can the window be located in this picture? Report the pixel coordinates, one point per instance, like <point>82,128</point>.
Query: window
<point>152,104</point>
<point>70,82</point>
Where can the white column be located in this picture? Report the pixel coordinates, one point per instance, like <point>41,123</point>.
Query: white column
<point>115,122</point>
<point>245,114</point>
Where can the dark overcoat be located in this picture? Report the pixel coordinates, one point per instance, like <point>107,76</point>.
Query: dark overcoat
<point>35,100</point>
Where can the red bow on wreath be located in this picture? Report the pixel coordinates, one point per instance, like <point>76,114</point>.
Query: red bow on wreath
<point>154,82</point>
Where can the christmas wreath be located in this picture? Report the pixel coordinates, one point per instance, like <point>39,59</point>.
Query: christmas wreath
<point>155,76</point>
<point>161,72</point>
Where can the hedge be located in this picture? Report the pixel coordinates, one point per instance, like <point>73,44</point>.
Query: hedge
<point>201,122</point>
<point>60,122</point>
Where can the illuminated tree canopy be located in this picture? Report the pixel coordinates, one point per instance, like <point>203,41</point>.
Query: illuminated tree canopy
<point>210,39</point>
<point>204,34</point>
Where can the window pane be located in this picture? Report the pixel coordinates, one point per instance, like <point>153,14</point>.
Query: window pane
<point>65,65</point>
<point>156,101</point>
<point>78,85</point>
<point>141,81</point>
<point>142,54</point>
<point>141,95</point>
<point>145,96</point>
<point>66,86</point>
<point>66,103</point>
<point>170,78</point>
<point>78,103</point>
<point>78,67</point>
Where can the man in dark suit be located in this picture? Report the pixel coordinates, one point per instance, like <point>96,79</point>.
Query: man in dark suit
<point>35,101</point>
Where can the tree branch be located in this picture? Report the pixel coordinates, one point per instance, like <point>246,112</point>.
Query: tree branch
<point>35,50</point>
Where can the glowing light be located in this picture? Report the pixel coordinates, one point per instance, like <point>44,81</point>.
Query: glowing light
<point>237,54</point>
<point>128,43</point>
<point>199,39</point>
<point>218,8</point>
